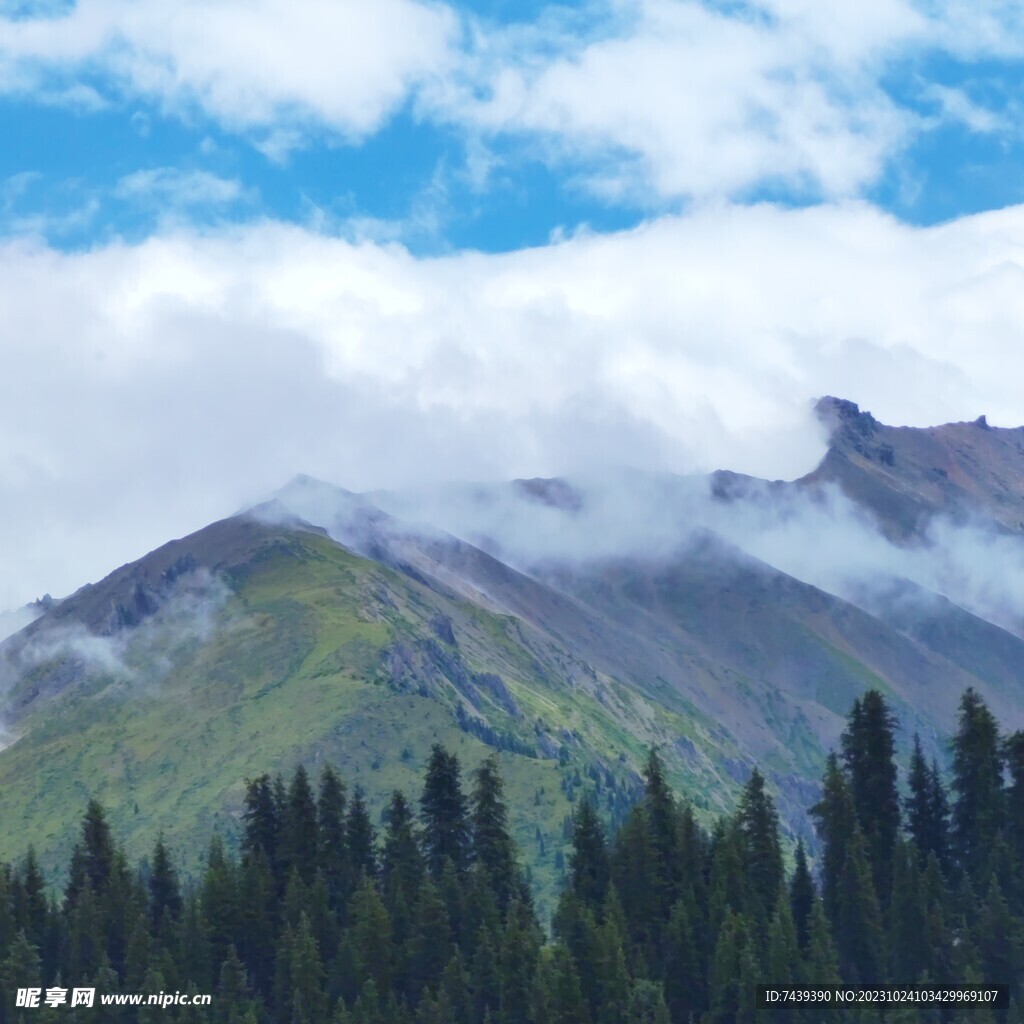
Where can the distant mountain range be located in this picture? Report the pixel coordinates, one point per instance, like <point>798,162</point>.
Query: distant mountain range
<point>571,624</point>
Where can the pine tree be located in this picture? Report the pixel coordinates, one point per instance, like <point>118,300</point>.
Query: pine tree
<point>997,938</point>
<point>430,946</point>
<point>761,851</point>
<point>1013,750</point>
<point>33,911</point>
<point>402,864</point>
<point>820,962</point>
<point>869,755</point>
<point>518,955</point>
<point>299,838</point>
<point>446,833</point>
<point>663,824</point>
<point>493,847</point>
<point>635,872</point>
<point>371,938</point>
<point>859,935</point>
<point>907,918</point>
<point>589,868</point>
<point>562,999</point>
<point>647,1005</point>
<point>782,963</point>
<point>259,911</point>
<point>20,969</point>
<point>802,895</point>
<point>262,823</point>
<point>220,903</point>
<point>361,839</point>
<point>725,985</point>
<point>305,974</point>
<point>685,969</point>
<point>977,781</point>
<point>164,888</point>
<point>333,859</point>
<point>835,819</point>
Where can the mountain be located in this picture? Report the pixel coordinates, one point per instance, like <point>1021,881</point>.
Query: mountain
<point>568,624</point>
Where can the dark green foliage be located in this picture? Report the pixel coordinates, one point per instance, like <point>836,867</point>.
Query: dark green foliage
<point>869,757</point>
<point>977,783</point>
<point>493,848</point>
<point>760,849</point>
<point>835,820</point>
<point>446,834</point>
<point>299,851</point>
<point>659,924</point>
<point>801,895</point>
<point>927,808</point>
<point>360,839</point>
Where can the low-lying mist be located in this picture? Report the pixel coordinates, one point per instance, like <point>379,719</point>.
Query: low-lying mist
<point>819,537</point>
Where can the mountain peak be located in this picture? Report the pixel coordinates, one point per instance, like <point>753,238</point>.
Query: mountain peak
<point>840,414</point>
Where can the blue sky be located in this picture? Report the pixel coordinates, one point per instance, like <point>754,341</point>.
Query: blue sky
<point>116,136</point>
<point>412,241</point>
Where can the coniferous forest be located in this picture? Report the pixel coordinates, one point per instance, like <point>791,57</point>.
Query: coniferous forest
<point>321,917</point>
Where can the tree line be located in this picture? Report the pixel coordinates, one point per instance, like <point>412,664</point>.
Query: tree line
<point>321,917</point>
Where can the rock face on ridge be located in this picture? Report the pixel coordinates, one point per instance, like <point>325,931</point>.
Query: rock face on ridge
<point>908,475</point>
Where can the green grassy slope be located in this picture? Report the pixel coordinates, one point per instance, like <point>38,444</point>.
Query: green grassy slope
<point>315,656</point>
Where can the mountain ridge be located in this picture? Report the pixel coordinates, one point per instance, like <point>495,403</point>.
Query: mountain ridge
<point>321,625</point>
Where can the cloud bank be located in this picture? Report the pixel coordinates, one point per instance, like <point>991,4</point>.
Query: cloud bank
<point>149,389</point>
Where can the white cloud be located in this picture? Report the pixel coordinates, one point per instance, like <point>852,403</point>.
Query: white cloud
<point>709,102</point>
<point>179,188</point>
<point>671,98</point>
<point>342,63</point>
<point>149,389</point>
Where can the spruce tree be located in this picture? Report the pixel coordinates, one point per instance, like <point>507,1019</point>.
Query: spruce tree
<point>802,895</point>
<point>859,934</point>
<point>493,847</point>
<point>757,826</point>
<point>371,938</point>
<point>1013,750</point>
<point>446,831</point>
<point>361,839</point>
<point>299,838</point>
<point>333,860</point>
<point>589,869</point>
<point>869,756</point>
<point>262,824</point>
<point>835,820</point>
<point>647,1004</point>
<point>402,864</point>
<point>164,888</point>
<point>977,782</point>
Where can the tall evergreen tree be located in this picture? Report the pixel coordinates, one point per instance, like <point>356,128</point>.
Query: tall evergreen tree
<point>589,869</point>
<point>164,888</point>
<point>869,756</point>
<point>446,832</point>
<point>262,823</point>
<point>758,830</point>
<point>802,895</point>
<point>402,864</point>
<point>360,838</point>
<point>835,821</point>
<point>493,847</point>
<point>927,809</point>
<point>1013,750</point>
<point>977,782</point>
<point>858,929</point>
<point>663,825</point>
<point>299,837</point>
<point>333,860</point>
